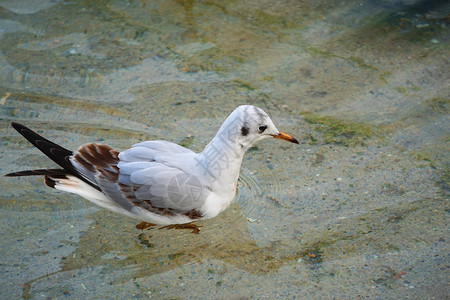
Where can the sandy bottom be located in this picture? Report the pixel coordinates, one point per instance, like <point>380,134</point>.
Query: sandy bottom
<point>358,210</point>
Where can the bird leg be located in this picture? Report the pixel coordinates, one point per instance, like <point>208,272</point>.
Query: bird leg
<point>144,225</point>
<point>194,227</point>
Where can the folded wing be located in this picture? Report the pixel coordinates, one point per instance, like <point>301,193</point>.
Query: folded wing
<point>150,170</point>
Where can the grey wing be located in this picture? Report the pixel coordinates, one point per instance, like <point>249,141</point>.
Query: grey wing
<point>151,168</point>
<point>163,186</point>
<point>151,151</point>
<point>139,180</point>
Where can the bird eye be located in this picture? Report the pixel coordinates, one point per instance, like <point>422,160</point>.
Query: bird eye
<point>262,128</point>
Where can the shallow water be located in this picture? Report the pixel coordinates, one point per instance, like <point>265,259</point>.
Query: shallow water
<point>358,210</point>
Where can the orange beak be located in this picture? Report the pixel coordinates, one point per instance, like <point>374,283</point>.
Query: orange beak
<point>286,137</point>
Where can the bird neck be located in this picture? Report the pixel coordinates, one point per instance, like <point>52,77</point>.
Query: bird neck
<point>221,159</point>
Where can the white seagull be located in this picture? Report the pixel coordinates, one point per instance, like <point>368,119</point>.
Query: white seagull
<point>158,182</point>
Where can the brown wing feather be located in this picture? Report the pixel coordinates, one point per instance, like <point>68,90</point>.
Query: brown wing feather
<point>104,160</point>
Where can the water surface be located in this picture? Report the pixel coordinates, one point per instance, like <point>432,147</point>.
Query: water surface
<point>359,209</point>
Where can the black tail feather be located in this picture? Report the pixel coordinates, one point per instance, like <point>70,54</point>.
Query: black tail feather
<point>49,174</point>
<point>55,152</point>
<point>38,172</point>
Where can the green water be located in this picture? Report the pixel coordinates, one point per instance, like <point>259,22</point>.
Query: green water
<point>358,210</point>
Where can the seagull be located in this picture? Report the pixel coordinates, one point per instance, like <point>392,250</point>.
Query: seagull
<point>158,182</point>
